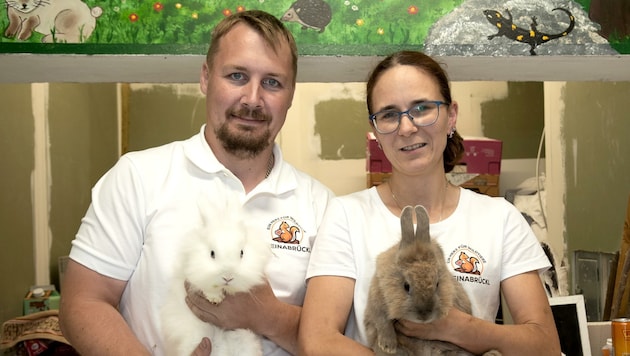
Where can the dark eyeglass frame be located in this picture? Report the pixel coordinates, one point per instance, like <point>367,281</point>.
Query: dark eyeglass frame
<point>407,112</point>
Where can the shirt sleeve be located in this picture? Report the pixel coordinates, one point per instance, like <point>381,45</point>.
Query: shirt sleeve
<point>110,237</point>
<point>522,250</point>
<point>332,252</point>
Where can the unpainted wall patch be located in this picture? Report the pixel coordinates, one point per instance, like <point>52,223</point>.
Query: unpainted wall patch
<point>342,125</point>
<point>517,120</point>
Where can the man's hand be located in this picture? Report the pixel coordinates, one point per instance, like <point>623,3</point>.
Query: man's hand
<point>204,348</point>
<point>241,310</point>
<point>257,310</point>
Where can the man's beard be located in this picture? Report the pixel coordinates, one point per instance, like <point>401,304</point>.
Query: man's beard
<point>244,143</point>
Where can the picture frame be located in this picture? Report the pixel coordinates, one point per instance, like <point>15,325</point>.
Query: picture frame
<point>569,313</point>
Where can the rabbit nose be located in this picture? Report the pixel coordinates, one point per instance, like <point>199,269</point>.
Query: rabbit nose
<point>425,311</point>
<point>228,279</point>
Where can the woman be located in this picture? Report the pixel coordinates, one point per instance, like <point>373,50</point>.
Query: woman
<point>413,117</point>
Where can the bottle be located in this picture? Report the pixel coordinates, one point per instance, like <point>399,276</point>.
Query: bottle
<point>38,292</point>
<point>607,350</point>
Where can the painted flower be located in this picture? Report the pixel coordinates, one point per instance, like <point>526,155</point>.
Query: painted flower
<point>240,8</point>
<point>355,8</point>
<point>97,11</point>
<point>178,6</point>
<point>380,31</point>
<point>227,12</point>
<point>194,15</point>
<point>412,10</point>
<point>158,6</point>
<point>133,17</point>
<point>360,22</point>
<point>347,3</point>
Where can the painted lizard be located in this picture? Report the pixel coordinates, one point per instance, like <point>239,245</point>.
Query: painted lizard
<point>532,36</point>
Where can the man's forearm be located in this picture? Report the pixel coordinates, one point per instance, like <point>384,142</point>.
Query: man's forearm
<point>99,330</point>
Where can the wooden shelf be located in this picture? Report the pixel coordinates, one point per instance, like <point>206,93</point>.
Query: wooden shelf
<point>32,68</point>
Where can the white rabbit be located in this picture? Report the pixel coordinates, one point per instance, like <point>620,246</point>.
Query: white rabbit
<point>222,257</point>
<point>412,282</point>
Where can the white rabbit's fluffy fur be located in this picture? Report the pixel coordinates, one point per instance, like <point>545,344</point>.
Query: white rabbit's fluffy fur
<point>221,249</point>
<point>412,282</point>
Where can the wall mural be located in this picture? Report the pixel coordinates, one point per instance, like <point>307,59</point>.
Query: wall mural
<point>324,27</point>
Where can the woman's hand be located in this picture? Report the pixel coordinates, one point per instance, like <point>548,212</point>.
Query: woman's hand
<point>441,329</point>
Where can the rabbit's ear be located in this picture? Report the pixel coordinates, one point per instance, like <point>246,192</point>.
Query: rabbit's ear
<point>422,220</point>
<point>406,226</point>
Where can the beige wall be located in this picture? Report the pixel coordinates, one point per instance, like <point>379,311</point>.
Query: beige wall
<point>82,129</point>
<point>587,128</point>
<point>17,270</point>
<point>486,109</point>
<point>55,141</point>
<point>83,138</point>
<point>597,160</point>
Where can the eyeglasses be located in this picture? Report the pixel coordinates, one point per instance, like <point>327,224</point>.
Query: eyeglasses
<point>425,113</point>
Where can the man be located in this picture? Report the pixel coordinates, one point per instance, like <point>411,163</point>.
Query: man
<point>121,259</point>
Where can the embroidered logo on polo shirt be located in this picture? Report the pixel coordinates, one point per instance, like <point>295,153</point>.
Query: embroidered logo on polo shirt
<point>288,234</point>
<point>469,263</point>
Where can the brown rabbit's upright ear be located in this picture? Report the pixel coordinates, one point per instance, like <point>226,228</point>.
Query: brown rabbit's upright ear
<point>406,226</point>
<point>422,220</point>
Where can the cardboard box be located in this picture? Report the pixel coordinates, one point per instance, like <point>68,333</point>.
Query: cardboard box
<point>40,298</point>
<point>482,155</point>
<point>375,159</point>
<point>377,178</point>
<point>479,171</point>
<point>481,183</point>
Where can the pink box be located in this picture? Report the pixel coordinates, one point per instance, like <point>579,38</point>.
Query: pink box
<point>375,160</point>
<point>482,155</point>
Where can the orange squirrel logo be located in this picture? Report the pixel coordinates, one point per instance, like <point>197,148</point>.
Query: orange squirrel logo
<point>287,234</point>
<point>467,264</point>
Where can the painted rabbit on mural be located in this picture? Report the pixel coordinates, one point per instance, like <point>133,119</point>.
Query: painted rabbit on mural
<point>61,21</point>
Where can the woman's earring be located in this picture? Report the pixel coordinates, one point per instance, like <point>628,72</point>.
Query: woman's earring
<point>450,134</point>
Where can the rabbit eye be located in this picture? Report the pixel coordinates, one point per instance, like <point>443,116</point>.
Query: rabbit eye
<point>241,253</point>
<point>407,287</point>
<point>212,254</point>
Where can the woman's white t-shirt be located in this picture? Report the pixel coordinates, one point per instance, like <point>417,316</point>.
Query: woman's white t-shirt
<point>357,227</point>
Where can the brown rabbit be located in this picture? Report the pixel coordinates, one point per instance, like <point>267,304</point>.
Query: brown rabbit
<point>412,282</point>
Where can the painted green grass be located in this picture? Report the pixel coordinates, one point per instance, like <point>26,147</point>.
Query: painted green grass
<point>358,27</point>
<point>191,21</point>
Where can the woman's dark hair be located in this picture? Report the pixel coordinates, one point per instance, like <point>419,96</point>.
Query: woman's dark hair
<point>454,145</point>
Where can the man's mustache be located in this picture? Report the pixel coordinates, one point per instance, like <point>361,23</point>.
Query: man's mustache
<point>254,114</point>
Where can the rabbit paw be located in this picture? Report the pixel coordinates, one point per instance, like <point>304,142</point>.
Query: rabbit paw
<point>387,346</point>
<point>215,298</point>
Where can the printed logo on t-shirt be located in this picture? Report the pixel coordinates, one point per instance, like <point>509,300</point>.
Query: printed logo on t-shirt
<point>287,233</point>
<point>469,263</point>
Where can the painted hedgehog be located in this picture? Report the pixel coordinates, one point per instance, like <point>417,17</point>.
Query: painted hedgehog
<point>313,14</point>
